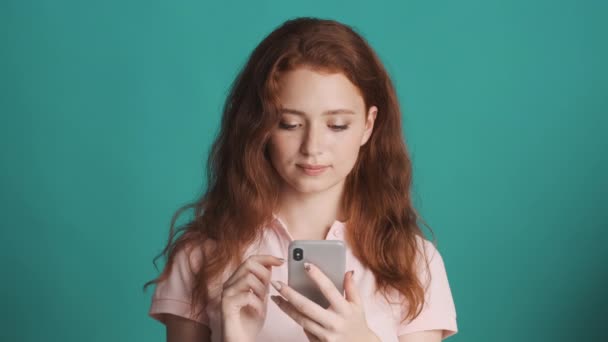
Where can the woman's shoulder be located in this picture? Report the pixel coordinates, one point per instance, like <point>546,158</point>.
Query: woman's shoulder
<point>427,249</point>
<point>192,253</point>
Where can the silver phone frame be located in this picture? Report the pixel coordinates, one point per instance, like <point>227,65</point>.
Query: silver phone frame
<point>327,255</point>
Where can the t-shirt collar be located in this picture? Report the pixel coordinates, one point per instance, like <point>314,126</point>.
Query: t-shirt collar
<point>336,230</point>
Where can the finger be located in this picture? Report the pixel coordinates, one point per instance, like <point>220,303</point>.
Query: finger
<point>267,260</point>
<point>350,290</point>
<point>257,264</point>
<point>246,282</point>
<point>233,304</point>
<point>327,288</point>
<point>305,305</point>
<point>305,322</point>
<point>262,270</point>
<point>311,337</point>
<point>250,267</point>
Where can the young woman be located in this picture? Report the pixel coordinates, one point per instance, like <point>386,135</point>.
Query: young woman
<point>310,147</point>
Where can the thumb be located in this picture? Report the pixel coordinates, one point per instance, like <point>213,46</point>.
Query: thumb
<point>352,294</point>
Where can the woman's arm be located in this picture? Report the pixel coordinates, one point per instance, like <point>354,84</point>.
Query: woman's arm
<point>181,329</point>
<point>422,336</point>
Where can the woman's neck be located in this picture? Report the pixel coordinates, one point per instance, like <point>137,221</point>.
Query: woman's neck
<point>310,215</point>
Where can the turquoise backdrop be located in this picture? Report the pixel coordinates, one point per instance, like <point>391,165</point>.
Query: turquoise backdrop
<point>108,109</point>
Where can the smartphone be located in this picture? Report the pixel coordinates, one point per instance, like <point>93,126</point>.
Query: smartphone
<point>328,255</point>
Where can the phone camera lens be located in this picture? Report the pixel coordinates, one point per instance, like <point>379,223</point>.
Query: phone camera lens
<point>298,254</point>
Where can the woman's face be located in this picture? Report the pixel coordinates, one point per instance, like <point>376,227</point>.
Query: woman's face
<point>323,124</point>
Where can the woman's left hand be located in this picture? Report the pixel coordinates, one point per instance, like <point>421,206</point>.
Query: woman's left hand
<point>344,320</point>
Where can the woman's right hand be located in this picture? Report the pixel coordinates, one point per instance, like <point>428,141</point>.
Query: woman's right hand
<point>245,297</point>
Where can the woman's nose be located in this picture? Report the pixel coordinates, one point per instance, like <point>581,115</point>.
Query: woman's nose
<point>312,143</point>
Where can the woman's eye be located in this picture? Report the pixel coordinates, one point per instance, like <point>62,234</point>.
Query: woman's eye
<point>287,126</point>
<point>283,125</point>
<point>338,127</point>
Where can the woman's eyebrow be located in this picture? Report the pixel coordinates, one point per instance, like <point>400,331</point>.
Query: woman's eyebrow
<point>327,112</point>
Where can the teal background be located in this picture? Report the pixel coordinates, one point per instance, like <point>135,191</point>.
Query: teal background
<point>108,109</point>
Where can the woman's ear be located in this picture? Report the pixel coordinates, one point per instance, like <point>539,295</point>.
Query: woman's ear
<point>369,124</point>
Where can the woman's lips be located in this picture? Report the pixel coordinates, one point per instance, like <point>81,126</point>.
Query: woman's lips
<point>313,170</point>
<point>312,166</point>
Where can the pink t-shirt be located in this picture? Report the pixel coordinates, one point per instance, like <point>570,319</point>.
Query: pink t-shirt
<point>173,295</point>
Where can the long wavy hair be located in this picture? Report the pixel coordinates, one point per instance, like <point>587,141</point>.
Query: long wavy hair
<point>242,185</point>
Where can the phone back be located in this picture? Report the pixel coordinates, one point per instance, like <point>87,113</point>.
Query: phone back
<point>328,255</point>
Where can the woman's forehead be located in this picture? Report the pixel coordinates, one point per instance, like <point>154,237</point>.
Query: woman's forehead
<point>305,91</point>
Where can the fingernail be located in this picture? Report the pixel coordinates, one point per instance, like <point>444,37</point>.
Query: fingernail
<point>352,273</point>
<point>307,266</point>
<point>282,260</point>
<point>277,285</point>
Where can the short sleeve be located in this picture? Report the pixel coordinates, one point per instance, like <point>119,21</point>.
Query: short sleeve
<point>173,294</point>
<point>439,312</point>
